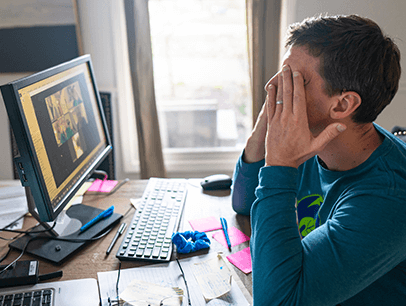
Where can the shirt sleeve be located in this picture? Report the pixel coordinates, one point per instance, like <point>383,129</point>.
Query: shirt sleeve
<point>245,180</point>
<point>356,246</point>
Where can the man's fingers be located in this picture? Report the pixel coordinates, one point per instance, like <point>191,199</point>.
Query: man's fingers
<point>299,96</point>
<point>263,112</point>
<point>279,94</point>
<point>287,89</point>
<point>329,133</point>
<point>271,93</point>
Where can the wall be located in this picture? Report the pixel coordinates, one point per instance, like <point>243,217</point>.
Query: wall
<point>390,17</point>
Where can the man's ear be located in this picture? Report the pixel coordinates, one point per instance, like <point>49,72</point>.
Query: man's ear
<point>345,105</point>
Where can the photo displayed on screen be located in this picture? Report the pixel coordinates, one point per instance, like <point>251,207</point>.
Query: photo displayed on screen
<point>68,115</point>
<point>68,126</point>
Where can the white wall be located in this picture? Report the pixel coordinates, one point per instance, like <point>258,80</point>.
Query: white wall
<point>390,17</point>
<point>97,36</point>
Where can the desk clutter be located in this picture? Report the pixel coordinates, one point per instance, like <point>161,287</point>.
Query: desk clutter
<point>241,259</point>
<point>152,236</point>
<point>209,282</point>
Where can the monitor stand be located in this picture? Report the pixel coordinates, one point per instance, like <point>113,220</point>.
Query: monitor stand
<point>64,225</point>
<point>46,246</point>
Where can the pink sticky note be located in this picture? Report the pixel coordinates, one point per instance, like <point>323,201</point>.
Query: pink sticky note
<point>205,224</point>
<point>242,260</point>
<point>236,237</point>
<point>102,185</point>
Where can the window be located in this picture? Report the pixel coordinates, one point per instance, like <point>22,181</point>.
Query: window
<point>202,84</point>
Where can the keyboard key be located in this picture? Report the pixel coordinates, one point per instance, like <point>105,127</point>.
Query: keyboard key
<point>148,252</point>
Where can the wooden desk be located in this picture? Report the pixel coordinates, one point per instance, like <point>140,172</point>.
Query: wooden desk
<point>92,258</point>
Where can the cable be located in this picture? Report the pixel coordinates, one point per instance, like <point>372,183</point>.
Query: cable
<point>101,173</point>
<point>51,238</point>
<point>118,280</point>
<point>15,260</point>
<point>11,239</point>
<point>184,279</point>
<point>126,213</point>
<point>78,240</point>
<point>5,255</point>
<point>20,233</point>
<point>75,240</point>
<point>29,231</point>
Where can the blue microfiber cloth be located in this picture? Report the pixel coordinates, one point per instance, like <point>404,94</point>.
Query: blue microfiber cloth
<point>190,241</point>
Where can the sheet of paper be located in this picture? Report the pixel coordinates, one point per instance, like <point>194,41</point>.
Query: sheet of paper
<point>83,189</point>
<point>242,260</point>
<point>140,293</point>
<point>15,219</point>
<point>213,276</point>
<point>236,237</point>
<point>205,224</point>
<point>102,185</point>
<point>7,192</point>
<point>13,205</point>
<point>168,274</point>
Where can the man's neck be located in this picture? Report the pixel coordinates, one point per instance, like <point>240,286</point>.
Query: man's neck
<point>351,148</point>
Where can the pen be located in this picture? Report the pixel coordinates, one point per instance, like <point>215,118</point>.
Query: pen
<point>119,232</point>
<point>225,230</point>
<point>107,213</point>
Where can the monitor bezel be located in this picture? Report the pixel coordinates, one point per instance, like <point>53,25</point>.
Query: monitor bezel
<point>27,163</point>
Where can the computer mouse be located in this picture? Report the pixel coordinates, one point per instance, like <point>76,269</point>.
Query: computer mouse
<point>216,182</point>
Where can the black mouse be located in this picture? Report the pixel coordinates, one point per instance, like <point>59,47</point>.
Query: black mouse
<point>216,182</point>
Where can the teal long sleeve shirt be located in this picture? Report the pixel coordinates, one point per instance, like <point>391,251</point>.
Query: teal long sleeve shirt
<point>322,237</point>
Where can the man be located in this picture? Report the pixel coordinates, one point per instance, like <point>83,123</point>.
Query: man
<point>324,185</point>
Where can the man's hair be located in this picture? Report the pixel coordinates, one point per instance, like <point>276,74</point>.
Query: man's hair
<point>354,55</point>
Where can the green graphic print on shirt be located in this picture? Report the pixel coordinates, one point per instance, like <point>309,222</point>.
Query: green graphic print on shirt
<point>307,209</point>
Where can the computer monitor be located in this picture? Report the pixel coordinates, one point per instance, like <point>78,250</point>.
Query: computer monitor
<point>58,123</point>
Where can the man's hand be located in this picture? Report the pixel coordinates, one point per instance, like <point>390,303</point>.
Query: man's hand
<point>255,147</point>
<point>289,141</point>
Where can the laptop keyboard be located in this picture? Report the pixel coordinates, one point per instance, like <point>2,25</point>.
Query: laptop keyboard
<point>149,235</point>
<point>28,298</point>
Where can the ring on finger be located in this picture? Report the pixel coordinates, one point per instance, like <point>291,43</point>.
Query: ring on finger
<point>279,102</point>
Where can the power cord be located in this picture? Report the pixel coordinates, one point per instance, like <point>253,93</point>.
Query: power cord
<point>20,233</point>
<point>51,238</point>
<point>29,231</point>
<point>75,240</point>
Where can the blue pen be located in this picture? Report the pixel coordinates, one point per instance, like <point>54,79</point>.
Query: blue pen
<point>225,230</point>
<point>107,213</point>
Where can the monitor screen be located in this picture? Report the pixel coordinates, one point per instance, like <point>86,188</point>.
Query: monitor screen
<point>60,131</point>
